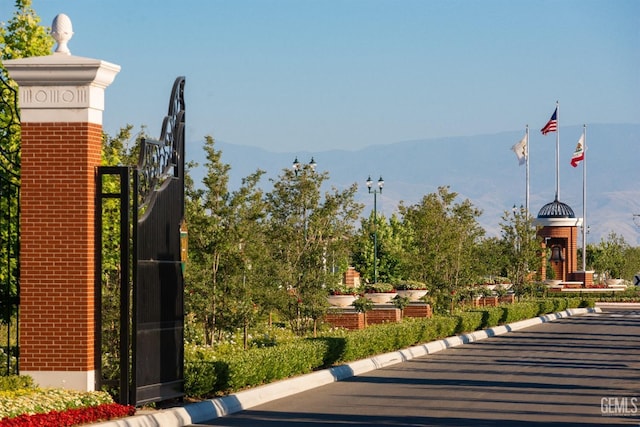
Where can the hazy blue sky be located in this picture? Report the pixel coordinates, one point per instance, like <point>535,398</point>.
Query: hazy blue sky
<point>304,75</point>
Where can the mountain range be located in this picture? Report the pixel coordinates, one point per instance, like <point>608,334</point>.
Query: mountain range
<point>481,168</point>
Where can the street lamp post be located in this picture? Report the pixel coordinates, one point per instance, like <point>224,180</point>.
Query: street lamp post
<point>375,192</point>
<point>297,168</point>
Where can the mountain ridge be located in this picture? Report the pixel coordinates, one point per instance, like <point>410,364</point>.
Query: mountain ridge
<point>481,168</point>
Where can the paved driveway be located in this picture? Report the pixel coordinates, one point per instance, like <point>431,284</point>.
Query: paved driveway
<point>576,371</point>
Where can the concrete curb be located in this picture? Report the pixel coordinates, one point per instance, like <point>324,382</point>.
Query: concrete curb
<point>198,412</point>
<point>618,304</point>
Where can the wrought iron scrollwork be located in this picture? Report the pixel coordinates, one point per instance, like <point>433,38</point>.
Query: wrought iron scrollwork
<point>9,132</point>
<point>162,159</point>
<point>9,222</point>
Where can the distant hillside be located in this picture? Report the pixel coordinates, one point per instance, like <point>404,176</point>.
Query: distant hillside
<point>481,168</point>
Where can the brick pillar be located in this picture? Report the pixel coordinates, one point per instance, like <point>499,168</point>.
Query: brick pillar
<point>61,100</point>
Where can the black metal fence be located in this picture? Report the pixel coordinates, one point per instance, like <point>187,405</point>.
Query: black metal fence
<point>9,228</point>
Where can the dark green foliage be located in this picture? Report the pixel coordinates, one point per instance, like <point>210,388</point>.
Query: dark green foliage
<point>545,306</point>
<point>521,311</point>
<point>16,382</point>
<point>560,304</point>
<point>469,321</point>
<point>208,374</point>
<point>202,377</point>
<point>587,303</point>
<point>492,316</point>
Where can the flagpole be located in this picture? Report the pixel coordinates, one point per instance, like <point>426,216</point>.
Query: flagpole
<point>557,150</point>
<point>526,199</point>
<point>584,199</point>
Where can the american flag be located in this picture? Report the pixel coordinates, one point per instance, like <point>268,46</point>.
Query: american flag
<point>552,124</point>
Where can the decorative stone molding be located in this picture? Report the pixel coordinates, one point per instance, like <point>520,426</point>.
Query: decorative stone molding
<point>61,87</point>
<point>558,222</point>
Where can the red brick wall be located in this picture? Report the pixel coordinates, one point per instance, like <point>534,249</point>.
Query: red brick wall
<point>57,245</point>
<point>351,277</point>
<point>581,276</point>
<point>382,315</point>
<point>348,320</point>
<point>569,238</point>
<point>417,310</point>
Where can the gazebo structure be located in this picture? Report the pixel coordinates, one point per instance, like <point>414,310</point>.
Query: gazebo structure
<point>560,234</point>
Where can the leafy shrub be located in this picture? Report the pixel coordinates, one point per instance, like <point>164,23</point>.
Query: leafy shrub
<point>379,288</point>
<point>409,285</point>
<point>560,304</point>
<point>343,290</point>
<point>492,316</point>
<point>545,306</point>
<point>587,303</point>
<point>469,321</point>
<point>205,374</point>
<point>210,371</point>
<point>520,311</point>
<point>16,382</point>
<point>445,326</point>
<point>201,377</point>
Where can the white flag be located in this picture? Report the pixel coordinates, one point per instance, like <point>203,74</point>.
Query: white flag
<point>578,155</point>
<point>521,150</point>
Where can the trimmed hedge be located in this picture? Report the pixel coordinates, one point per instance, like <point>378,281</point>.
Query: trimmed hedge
<point>469,321</point>
<point>208,374</point>
<point>521,311</point>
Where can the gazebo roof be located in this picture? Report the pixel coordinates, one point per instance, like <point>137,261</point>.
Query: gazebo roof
<point>556,209</point>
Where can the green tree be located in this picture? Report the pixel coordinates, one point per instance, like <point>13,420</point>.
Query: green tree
<point>493,253</point>
<point>207,213</point>
<point>632,262</point>
<point>23,36</point>
<point>521,246</point>
<point>308,232</point>
<point>20,37</point>
<point>392,241</point>
<point>441,251</point>
<point>443,237</point>
<point>243,288</point>
<point>609,256</point>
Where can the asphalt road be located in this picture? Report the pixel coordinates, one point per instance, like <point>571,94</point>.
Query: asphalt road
<point>577,371</point>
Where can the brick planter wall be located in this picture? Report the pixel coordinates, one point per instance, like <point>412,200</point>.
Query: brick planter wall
<point>507,299</point>
<point>383,314</point>
<point>345,318</point>
<point>418,310</point>
<point>586,277</point>
<point>486,302</point>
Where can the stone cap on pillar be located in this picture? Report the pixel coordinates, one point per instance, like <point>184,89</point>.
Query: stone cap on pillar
<point>71,86</point>
<point>61,87</point>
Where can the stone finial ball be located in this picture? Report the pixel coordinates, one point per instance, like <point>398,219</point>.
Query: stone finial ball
<point>62,31</point>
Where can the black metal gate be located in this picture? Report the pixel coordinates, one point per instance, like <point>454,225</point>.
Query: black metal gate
<point>158,320</point>
<point>152,363</point>
<point>9,228</point>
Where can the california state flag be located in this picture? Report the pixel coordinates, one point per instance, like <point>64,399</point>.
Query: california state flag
<point>578,155</point>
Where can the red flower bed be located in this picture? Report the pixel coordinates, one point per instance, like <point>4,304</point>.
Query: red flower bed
<point>70,417</point>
